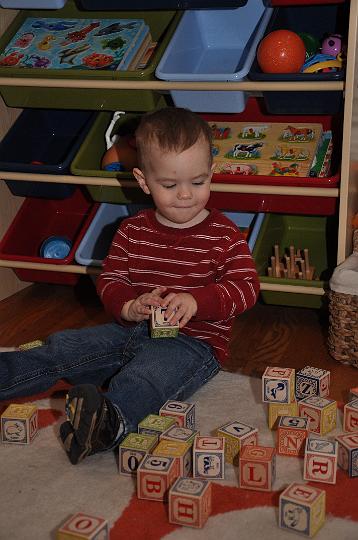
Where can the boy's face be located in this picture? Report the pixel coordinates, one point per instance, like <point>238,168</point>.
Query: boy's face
<point>178,182</point>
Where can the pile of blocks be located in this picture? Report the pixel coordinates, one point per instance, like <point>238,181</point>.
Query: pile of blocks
<point>172,462</point>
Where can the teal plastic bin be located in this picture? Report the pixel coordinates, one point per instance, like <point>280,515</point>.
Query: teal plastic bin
<point>302,232</point>
<point>162,25</point>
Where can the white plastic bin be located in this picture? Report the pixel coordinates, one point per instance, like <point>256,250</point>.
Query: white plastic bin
<point>214,45</point>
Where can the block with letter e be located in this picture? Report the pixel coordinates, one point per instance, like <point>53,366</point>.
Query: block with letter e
<point>160,326</point>
<point>155,475</point>
<point>321,457</point>
<point>83,527</point>
<point>19,423</point>
<point>348,453</point>
<point>302,509</point>
<point>350,416</point>
<point>292,432</point>
<point>322,413</point>
<point>190,502</point>
<point>209,458</point>
<point>278,385</point>
<point>183,413</point>
<point>133,449</point>
<point>257,468</point>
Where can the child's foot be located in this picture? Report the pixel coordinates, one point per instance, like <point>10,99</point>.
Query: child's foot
<point>93,423</point>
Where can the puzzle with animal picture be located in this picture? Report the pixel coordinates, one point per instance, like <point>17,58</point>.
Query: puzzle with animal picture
<point>271,149</point>
<point>50,43</point>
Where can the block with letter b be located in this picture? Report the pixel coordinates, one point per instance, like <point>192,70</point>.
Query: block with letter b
<point>133,449</point>
<point>183,413</point>
<point>19,423</point>
<point>322,413</point>
<point>236,435</point>
<point>190,502</point>
<point>155,475</point>
<point>302,509</point>
<point>312,381</point>
<point>209,458</point>
<point>83,527</point>
<point>278,385</point>
<point>160,326</point>
<point>350,416</point>
<point>292,432</point>
<point>348,453</point>
<point>257,468</point>
<point>321,457</point>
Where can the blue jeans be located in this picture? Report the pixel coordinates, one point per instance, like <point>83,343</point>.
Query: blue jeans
<point>139,372</point>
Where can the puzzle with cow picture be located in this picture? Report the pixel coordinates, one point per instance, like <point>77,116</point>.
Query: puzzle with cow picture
<point>257,148</point>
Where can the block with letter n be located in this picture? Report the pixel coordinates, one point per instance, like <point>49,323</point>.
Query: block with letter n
<point>292,432</point>
<point>302,509</point>
<point>190,502</point>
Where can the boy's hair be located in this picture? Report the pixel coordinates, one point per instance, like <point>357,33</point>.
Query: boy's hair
<point>172,129</point>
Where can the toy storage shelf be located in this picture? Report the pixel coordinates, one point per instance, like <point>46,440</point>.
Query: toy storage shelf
<point>347,194</point>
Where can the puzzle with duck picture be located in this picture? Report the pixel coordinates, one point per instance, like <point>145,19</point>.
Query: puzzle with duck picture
<point>270,149</point>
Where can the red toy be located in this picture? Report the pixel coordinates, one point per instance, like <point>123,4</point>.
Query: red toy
<point>281,51</point>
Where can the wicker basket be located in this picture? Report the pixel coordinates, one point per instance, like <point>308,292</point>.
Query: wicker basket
<point>343,322</point>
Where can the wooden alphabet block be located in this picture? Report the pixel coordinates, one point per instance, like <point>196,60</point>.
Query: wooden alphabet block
<point>292,432</point>
<point>302,508</point>
<point>183,413</point>
<point>312,381</point>
<point>180,451</point>
<point>353,393</point>
<point>209,458</point>
<point>257,468</point>
<point>236,435</point>
<point>155,475</point>
<point>275,410</point>
<point>322,413</point>
<point>84,527</point>
<point>278,385</point>
<point>161,327</point>
<point>19,423</point>
<point>190,502</point>
<point>348,453</point>
<point>321,458</point>
<point>153,424</point>
<point>178,433</point>
<point>350,416</point>
<point>132,450</point>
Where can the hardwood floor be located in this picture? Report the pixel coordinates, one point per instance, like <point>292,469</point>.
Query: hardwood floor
<point>265,335</point>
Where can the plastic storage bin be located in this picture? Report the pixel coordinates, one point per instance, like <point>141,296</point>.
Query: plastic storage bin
<point>159,4</point>
<point>32,4</point>
<point>317,21</point>
<point>162,25</point>
<point>38,220</point>
<point>303,232</point>
<point>97,240</point>
<point>213,45</point>
<point>43,141</point>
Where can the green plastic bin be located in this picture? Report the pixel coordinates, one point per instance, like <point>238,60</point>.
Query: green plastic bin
<point>302,232</point>
<point>162,25</point>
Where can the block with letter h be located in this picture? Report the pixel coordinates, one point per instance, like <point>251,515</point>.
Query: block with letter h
<point>236,435</point>
<point>348,453</point>
<point>132,450</point>
<point>350,416</point>
<point>312,381</point>
<point>209,458</point>
<point>278,385</point>
<point>321,458</point>
<point>322,413</point>
<point>292,432</point>
<point>257,468</point>
<point>19,423</point>
<point>302,508</point>
<point>155,475</point>
<point>83,527</point>
<point>183,413</point>
<point>180,451</point>
<point>190,502</point>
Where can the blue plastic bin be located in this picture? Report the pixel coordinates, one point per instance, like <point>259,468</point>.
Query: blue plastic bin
<point>33,4</point>
<point>43,141</point>
<point>214,45</point>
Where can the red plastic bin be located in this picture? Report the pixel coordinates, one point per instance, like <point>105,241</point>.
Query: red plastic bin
<point>38,219</point>
<point>292,204</point>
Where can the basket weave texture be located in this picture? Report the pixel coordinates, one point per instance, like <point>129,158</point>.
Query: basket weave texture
<point>343,323</point>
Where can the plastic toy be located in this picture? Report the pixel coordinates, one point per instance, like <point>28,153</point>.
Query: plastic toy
<point>121,156</point>
<point>322,62</point>
<point>281,51</point>
<point>55,247</point>
<point>332,45</point>
<point>312,44</point>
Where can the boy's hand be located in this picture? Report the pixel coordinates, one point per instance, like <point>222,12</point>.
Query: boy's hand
<point>139,309</point>
<point>183,306</point>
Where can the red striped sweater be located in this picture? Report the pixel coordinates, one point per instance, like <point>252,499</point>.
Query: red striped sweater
<point>211,261</point>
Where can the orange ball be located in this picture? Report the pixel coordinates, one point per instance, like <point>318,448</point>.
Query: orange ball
<point>281,51</point>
